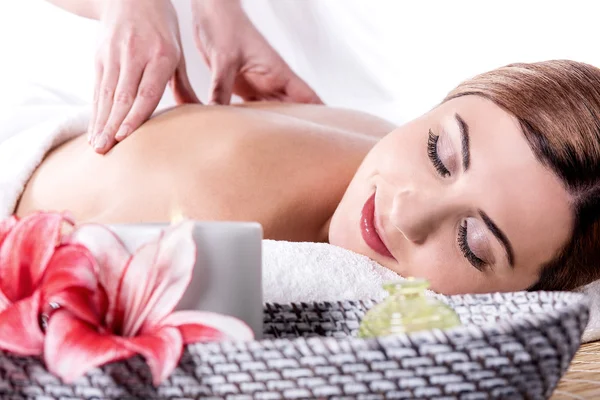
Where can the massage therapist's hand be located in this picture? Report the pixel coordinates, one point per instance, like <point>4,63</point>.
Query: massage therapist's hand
<point>240,58</point>
<point>139,54</point>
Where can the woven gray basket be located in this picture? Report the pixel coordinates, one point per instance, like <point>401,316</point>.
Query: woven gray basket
<point>513,345</point>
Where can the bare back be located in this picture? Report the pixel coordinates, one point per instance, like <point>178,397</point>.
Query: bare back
<point>285,166</point>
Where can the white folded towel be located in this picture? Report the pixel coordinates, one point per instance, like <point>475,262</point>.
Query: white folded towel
<point>307,272</point>
<point>22,152</point>
<point>592,331</point>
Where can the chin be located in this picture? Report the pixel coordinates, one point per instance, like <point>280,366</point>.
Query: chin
<point>339,239</point>
<point>343,238</point>
<point>339,234</point>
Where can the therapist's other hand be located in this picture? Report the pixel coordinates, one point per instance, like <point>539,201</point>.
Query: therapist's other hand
<point>139,54</point>
<point>240,59</point>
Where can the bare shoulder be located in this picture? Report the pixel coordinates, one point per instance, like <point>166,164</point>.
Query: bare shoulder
<point>340,118</point>
<point>263,130</point>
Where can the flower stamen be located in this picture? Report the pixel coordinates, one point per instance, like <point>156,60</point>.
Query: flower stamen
<point>46,313</point>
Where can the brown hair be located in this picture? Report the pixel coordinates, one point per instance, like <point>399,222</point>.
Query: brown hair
<point>557,104</point>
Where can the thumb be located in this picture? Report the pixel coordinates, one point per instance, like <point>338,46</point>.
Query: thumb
<point>223,79</point>
<point>181,86</point>
<point>297,91</point>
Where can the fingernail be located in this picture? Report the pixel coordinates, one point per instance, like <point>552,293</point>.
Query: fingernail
<point>122,133</point>
<point>100,142</point>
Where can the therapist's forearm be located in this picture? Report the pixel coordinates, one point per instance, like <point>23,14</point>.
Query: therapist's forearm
<point>92,9</point>
<point>218,5</point>
<point>85,8</point>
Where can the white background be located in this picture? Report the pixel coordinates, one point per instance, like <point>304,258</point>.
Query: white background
<point>393,57</point>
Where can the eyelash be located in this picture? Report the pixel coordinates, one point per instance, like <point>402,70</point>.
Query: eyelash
<point>434,157</point>
<point>464,247</point>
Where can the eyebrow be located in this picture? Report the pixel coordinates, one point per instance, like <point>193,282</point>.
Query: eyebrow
<point>500,236</point>
<point>464,138</point>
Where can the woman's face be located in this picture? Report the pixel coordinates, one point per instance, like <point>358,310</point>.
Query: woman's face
<point>456,197</point>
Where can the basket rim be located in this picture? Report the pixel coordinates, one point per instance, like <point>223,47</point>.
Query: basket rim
<point>568,304</point>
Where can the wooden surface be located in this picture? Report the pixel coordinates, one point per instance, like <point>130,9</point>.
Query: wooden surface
<point>582,381</point>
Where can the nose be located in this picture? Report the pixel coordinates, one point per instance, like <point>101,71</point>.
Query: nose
<point>418,212</point>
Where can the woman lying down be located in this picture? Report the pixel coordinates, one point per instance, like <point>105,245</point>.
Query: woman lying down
<point>495,189</point>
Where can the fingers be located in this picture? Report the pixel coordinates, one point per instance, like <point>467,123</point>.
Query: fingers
<point>224,73</point>
<point>106,90</point>
<point>97,83</point>
<point>152,85</point>
<point>138,54</point>
<point>138,92</point>
<point>181,86</point>
<point>297,91</point>
<point>123,99</point>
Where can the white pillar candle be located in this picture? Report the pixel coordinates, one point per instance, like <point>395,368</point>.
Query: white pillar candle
<point>227,276</point>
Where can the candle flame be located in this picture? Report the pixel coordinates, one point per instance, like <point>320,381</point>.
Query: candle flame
<point>177,215</point>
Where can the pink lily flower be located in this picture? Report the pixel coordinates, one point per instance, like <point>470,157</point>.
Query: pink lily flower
<point>29,248</point>
<point>139,293</point>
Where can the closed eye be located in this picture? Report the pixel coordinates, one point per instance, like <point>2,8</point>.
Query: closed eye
<point>433,155</point>
<point>466,250</point>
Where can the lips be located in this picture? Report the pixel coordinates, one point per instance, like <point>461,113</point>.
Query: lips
<point>369,231</point>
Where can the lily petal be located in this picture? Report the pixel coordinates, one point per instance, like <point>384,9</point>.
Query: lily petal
<point>135,288</point>
<point>25,253</point>
<point>20,332</point>
<point>84,304</point>
<point>4,302</point>
<point>203,326</point>
<point>111,257</point>
<point>165,280</point>
<point>71,265</point>
<point>73,347</point>
<point>6,225</point>
<point>162,350</point>
<point>70,282</point>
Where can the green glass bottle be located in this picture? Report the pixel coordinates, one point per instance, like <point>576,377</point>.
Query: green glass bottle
<point>407,309</point>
